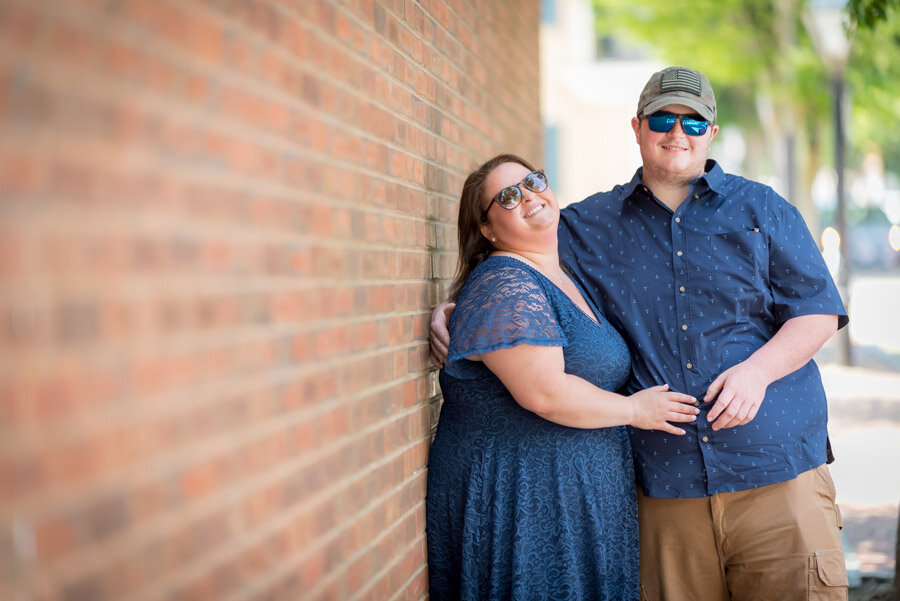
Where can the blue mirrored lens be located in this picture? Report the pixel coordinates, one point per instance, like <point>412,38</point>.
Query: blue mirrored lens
<point>694,127</point>
<point>663,122</point>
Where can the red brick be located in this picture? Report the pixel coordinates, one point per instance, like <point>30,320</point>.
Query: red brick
<point>220,250</point>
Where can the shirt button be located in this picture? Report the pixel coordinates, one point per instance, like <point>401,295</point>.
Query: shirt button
<point>705,439</point>
<point>690,366</point>
<point>696,403</point>
<point>679,253</point>
<point>681,289</point>
<point>696,196</point>
<point>678,220</point>
<point>684,328</point>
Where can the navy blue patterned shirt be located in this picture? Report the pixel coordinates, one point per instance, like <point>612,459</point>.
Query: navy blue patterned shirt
<point>696,292</point>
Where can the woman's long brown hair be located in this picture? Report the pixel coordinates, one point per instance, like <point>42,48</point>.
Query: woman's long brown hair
<point>473,247</point>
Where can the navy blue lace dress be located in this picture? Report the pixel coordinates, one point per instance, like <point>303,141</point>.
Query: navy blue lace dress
<point>519,507</point>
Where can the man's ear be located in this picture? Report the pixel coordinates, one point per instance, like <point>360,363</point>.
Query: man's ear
<point>636,126</point>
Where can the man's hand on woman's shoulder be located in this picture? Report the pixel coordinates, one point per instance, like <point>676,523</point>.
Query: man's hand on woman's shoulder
<point>440,332</point>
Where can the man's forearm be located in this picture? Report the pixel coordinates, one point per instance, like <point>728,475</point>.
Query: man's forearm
<point>795,343</point>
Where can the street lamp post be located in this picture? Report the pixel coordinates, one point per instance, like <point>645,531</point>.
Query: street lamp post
<point>827,24</point>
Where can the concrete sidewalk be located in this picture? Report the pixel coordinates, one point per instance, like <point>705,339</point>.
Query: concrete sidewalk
<point>864,426</point>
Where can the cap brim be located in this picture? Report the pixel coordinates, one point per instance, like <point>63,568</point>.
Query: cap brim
<point>658,103</point>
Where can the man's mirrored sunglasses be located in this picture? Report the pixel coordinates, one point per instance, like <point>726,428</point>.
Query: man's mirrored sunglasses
<point>510,196</point>
<point>693,125</point>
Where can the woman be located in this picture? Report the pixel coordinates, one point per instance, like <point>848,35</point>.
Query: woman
<point>531,489</point>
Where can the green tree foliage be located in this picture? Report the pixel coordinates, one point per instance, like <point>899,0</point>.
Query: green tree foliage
<point>767,75</point>
<point>867,14</point>
<point>873,76</point>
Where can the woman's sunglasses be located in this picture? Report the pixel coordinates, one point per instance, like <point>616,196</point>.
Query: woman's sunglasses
<point>510,196</point>
<point>693,125</point>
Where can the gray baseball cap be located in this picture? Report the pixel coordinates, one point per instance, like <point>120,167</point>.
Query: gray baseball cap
<point>678,85</point>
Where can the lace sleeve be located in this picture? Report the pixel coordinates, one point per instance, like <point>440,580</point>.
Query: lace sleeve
<point>501,307</point>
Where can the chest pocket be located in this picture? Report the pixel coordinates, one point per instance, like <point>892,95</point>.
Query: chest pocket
<point>739,260</point>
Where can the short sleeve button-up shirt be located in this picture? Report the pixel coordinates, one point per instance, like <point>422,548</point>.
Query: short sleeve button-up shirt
<point>696,292</point>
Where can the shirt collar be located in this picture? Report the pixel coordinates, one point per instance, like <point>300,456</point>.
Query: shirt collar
<point>714,178</point>
<point>635,183</point>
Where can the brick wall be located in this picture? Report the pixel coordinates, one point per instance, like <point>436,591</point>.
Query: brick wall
<point>223,225</point>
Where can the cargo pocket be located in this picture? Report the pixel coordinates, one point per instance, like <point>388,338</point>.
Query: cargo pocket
<point>827,576</point>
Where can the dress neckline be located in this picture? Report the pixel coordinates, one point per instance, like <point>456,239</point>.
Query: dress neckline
<point>595,319</point>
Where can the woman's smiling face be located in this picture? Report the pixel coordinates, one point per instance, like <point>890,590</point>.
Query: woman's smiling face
<point>525,225</point>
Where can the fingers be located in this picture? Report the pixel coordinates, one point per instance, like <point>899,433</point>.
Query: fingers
<point>721,405</point>
<point>679,397</point>
<point>683,415</point>
<point>725,422</point>
<point>737,413</point>
<point>681,412</point>
<point>679,408</point>
<point>666,427</point>
<point>743,417</point>
<point>439,348</point>
<point>440,318</point>
<point>682,418</point>
<point>677,411</point>
<point>728,411</point>
<point>438,351</point>
<point>714,389</point>
<point>440,333</point>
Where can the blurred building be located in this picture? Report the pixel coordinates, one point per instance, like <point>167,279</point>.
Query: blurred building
<point>589,94</point>
<point>590,86</point>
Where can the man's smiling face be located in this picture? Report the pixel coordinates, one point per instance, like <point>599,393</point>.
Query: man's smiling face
<point>673,156</point>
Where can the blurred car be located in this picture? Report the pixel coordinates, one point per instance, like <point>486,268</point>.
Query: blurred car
<point>870,239</point>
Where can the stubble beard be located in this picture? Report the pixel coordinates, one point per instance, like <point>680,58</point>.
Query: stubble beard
<point>677,179</point>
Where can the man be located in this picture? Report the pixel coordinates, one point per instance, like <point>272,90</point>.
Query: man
<point>722,293</point>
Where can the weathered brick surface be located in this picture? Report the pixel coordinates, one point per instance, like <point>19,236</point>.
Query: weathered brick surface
<point>223,226</point>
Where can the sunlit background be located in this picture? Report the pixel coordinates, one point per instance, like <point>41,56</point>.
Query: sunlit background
<point>777,81</point>
<point>224,226</point>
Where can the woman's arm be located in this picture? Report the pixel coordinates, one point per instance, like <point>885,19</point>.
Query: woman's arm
<point>536,378</point>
